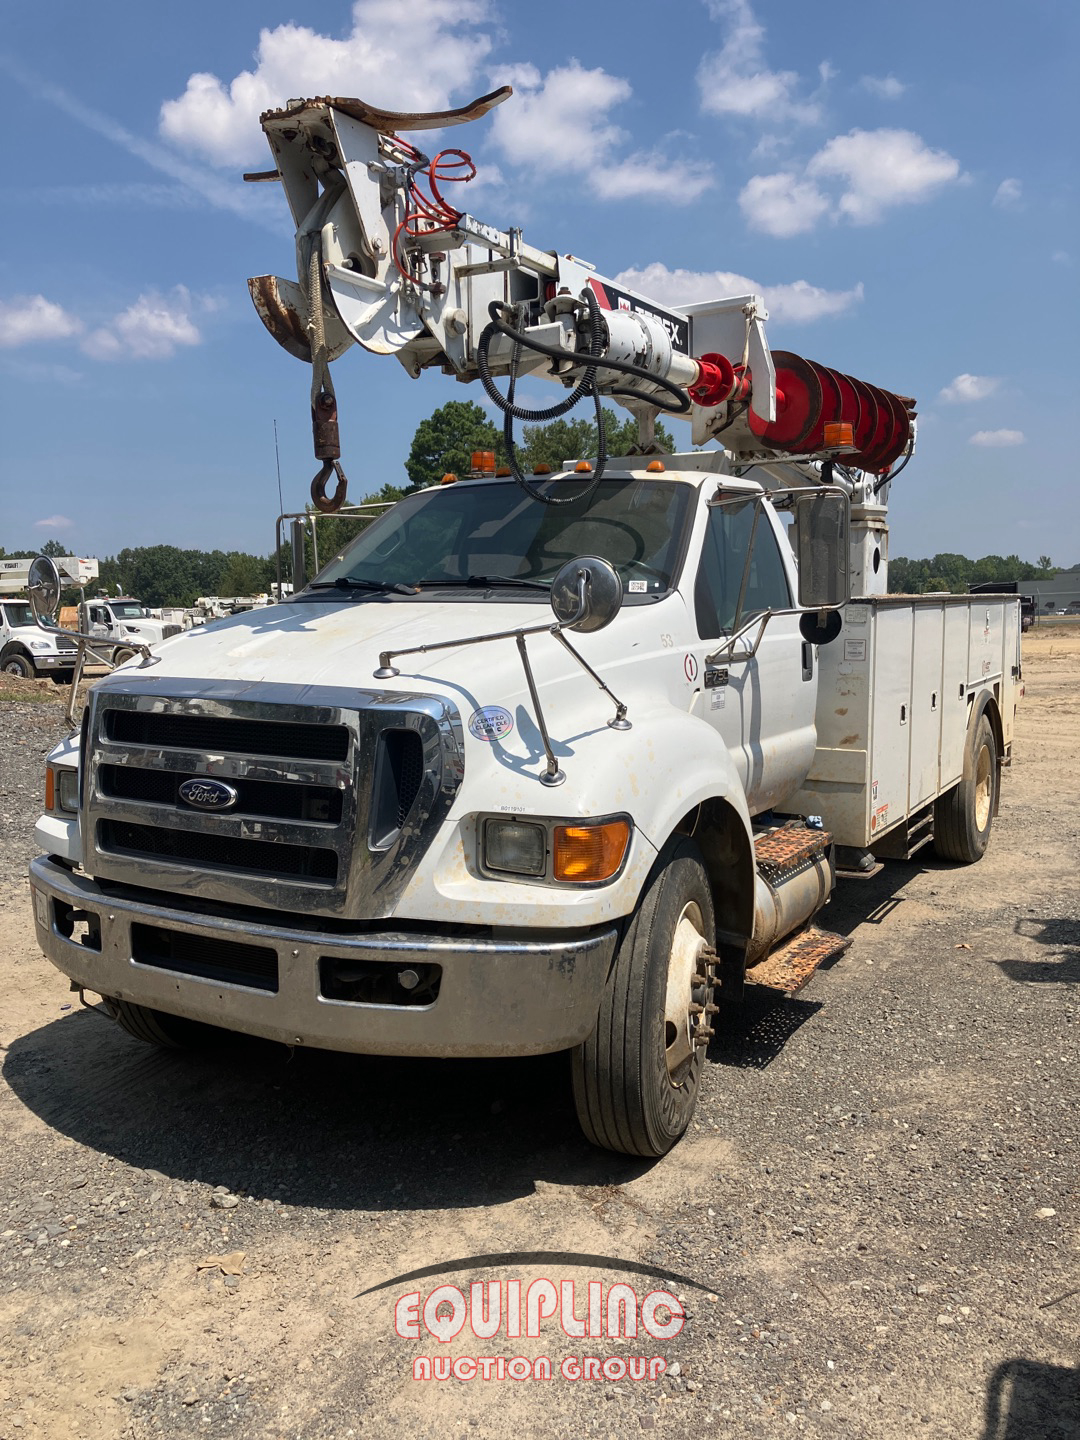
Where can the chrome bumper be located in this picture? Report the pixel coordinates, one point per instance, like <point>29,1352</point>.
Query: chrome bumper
<point>521,993</point>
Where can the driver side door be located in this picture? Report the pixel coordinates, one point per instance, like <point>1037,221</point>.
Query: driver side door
<point>762,702</point>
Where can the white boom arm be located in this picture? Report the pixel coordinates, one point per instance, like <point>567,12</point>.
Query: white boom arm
<point>385,261</point>
<point>73,571</point>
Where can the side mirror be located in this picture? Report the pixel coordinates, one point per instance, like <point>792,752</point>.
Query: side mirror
<point>822,521</point>
<point>586,594</point>
<point>43,587</point>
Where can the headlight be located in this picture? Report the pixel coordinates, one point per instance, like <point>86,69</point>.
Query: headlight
<point>61,789</point>
<point>581,852</point>
<point>515,847</point>
<point>40,644</point>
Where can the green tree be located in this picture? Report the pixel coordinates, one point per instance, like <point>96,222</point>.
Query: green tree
<point>445,442</point>
<point>561,440</point>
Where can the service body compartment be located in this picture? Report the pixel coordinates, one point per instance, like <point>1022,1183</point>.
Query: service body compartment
<point>895,693</point>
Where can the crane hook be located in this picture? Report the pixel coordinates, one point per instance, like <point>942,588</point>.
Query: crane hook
<point>329,504</point>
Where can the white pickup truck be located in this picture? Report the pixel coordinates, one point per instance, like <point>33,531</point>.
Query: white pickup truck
<point>397,816</point>
<point>27,650</point>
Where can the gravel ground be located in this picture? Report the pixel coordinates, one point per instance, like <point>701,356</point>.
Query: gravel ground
<point>875,1211</point>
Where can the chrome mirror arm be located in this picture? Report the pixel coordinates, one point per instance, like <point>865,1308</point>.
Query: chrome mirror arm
<point>726,652</point>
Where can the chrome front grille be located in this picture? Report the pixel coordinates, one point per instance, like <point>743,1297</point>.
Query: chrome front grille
<point>334,800</point>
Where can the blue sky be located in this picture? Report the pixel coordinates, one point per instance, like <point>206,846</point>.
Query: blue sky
<point>899,181</point>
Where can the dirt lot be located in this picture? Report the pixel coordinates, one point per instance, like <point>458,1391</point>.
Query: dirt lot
<point>875,1215</point>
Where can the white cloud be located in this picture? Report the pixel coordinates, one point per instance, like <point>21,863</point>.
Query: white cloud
<point>782,204</point>
<point>560,119</point>
<point>560,123</point>
<point>1009,195</point>
<point>882,168</point>
<point>54,522</point>
<point>28,319</point>
<point>151,329</point>
<point>1061,257</point>
<point>796,303</point>
<point>883,87</point>
<point>996,439</point>
<point>735,79</point>
<point>402,56</point>
<point>651,175</point>
<point>969,387</point>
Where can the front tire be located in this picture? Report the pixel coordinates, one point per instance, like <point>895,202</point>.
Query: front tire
<point>155,1027</point>
<point>122,654</point>
<point>636,1077</point>
<point>17,664</point>
<point>963,817</point>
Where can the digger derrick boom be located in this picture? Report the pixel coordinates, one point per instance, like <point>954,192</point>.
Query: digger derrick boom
<point>385,260</point>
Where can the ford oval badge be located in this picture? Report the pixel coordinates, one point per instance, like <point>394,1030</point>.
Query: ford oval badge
<point>209,794</point>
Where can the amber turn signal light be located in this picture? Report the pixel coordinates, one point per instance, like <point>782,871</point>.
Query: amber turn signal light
<point>586,853</point>
<point>50,792</point>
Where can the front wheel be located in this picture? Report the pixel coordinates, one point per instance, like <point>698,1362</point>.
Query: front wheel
<point>964,815</point>
<point>636,1077</point>
<point>125,652</point>
<point>20,665</point>
<point>155,1027</point>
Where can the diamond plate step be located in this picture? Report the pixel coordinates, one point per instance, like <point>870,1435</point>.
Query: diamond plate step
<point>781,853</point>
<point>793,961</point>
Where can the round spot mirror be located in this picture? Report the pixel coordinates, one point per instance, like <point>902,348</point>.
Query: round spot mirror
<point>586,594</point>
<point>43,587</point>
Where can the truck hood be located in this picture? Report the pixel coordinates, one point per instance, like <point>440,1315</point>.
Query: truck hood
<point>332,649</point>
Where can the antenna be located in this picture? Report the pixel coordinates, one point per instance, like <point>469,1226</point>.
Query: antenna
<point>277,459</point>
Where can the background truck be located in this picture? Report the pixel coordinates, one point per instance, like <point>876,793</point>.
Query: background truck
<point>24,648</point>
<point>538,762</point>
<point>120,625</point>
<point>27,650</point>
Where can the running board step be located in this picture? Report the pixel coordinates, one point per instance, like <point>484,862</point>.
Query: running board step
<point>791,964</point>
<point>790,848</point>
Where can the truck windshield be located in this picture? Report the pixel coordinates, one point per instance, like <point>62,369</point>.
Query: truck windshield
<point>490,533</point>
<point>20,614</point>
<point>128,612</point>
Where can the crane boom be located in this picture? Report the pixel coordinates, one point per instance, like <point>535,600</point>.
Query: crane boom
<point>384,260</point>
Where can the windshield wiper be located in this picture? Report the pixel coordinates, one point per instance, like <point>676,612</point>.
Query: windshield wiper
<point>349,582</point>
<point>477,582</point>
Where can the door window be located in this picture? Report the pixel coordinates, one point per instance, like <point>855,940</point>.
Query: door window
<point>730,533</point>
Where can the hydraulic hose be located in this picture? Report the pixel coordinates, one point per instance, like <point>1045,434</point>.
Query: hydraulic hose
<point>586,386</point>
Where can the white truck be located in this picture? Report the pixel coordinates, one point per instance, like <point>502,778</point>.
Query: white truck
<point>27,650</point>
<point>537,763</point>
<point>120,624</point>
<point>24,649</point>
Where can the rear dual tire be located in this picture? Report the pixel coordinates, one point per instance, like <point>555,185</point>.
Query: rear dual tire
<point>964,816</point>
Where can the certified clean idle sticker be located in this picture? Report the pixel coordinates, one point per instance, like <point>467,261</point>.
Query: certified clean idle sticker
<point>490,722</point>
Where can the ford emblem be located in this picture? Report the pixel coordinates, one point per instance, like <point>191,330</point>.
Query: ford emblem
<point>209,794</point>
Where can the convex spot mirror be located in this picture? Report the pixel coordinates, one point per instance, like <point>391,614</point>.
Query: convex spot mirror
<point>43,587</point>
<point>820,627</point>
<point>586,594</point>
<point>822,524</point>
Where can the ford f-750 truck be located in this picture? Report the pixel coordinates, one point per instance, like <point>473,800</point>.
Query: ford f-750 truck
<point>538,762</point>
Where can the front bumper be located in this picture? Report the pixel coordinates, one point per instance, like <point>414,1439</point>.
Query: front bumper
<point>518,993</point>
<point>64,661</point>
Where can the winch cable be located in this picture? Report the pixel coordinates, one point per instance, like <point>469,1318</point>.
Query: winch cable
<point>586,386</point>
